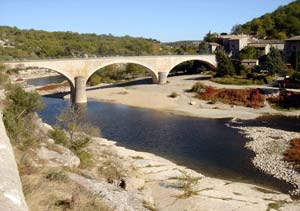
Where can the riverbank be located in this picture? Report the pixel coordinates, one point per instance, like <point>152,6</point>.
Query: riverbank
<point>269,145</point>
<point>153,96</point>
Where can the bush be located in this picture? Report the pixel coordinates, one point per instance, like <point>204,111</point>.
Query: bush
<point>244,97</point>
<point>198,87</point>
<point>18,117</point>
<point>94,80</point>
<point>85,158</point>
<point>293,153</point>
<point>174,95</point>
<point>285,100</point>
<point>59,136</point>
<point>56,175</point>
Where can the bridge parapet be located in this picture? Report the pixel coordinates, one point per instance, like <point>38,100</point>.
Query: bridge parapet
<point>84,68</point>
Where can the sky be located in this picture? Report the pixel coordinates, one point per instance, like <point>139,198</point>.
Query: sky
<point>164,20</point>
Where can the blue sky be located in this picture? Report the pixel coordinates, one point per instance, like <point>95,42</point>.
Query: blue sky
<point>165,20</point>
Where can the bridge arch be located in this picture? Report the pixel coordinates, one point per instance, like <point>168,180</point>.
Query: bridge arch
<point>205,62</point>
<point>147,67</point>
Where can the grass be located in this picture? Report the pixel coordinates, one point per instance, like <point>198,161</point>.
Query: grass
<point>186,184</point>
<point>55,195</point>
<point>149,206</point>
<point>237,81</point>
<point>274,206</point>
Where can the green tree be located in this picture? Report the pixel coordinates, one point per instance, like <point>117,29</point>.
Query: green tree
<point>211,37</point>
<point>225,66</point>
<point>250,53</point>
<point>203,48</point>
<point>274,62</point>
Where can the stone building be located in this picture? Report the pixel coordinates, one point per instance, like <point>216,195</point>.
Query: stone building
<point>291,47</point>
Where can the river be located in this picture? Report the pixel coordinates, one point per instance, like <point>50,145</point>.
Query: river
<point>208,146</point>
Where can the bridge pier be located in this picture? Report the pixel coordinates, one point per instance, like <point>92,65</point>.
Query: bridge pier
<point>80,92</point>
<point>162,77</point>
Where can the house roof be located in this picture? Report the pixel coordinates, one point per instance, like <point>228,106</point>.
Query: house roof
<point>293,38</point>
<point>214,44</point>
<point>258,45</point>
<point>249,60</point>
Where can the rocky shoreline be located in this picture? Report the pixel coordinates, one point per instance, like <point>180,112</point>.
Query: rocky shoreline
<point>269,145</point>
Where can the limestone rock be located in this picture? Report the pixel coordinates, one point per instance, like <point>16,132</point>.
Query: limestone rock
<point>60,157</point>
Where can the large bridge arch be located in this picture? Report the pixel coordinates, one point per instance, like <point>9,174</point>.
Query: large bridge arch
<point>99,67</point>
<point>68,76</point>
<point>208,63</point>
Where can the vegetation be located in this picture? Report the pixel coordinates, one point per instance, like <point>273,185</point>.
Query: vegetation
<point>174,95</point>
<point>250,53</point>
<point>3,76</point>
<point>187,184</point>
<point>249,79</point>
<point>280,24</point>
<point>78,132</point>
<point>18,117</point>
<point>56,175</point>
<point>41,44</point>
<point>285,100</point>
<point>225,66</point>
<point>243,97</point>
<point>117,73</point>
<point>274,62</point>
<point>292,154</point>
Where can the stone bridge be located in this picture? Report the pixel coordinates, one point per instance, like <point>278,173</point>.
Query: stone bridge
<point>78,71</point>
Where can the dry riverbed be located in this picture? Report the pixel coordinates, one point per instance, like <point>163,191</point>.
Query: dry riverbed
<point>155,96</point>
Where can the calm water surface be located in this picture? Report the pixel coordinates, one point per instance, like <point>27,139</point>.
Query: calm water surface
<point>205,145</point>
<point>46,80</point>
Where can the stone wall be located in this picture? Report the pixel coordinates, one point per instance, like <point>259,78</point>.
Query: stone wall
<point>11,193</point>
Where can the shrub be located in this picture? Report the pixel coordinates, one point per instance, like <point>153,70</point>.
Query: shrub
<point>59,136</point>
<point>292,154</point>
<point>244,97</point>
<point>198,87</point>
<point>285,100</point>
<point>55,175</point>
<point>85,158</point>
<point>95,80</point>
<point>18,117</point>
<point>174,95</point>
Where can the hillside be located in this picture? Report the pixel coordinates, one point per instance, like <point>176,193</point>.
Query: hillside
<point>17,44</point>
<point>280,24</point>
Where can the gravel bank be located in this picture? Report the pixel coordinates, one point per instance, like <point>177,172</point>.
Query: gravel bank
<point>269,145</point>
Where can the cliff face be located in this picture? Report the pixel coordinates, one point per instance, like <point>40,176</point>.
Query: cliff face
<point>11,193</point>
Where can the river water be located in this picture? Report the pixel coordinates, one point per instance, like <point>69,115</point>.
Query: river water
<point>208,146</point>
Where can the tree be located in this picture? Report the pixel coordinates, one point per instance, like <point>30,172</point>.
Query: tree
<point>225,66</point>
<point>250,53</point>
<point>274,62</point>
<point>237,29</point>
<point>211,37</point>
<point>203,48</point>
<point>73,121</point>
